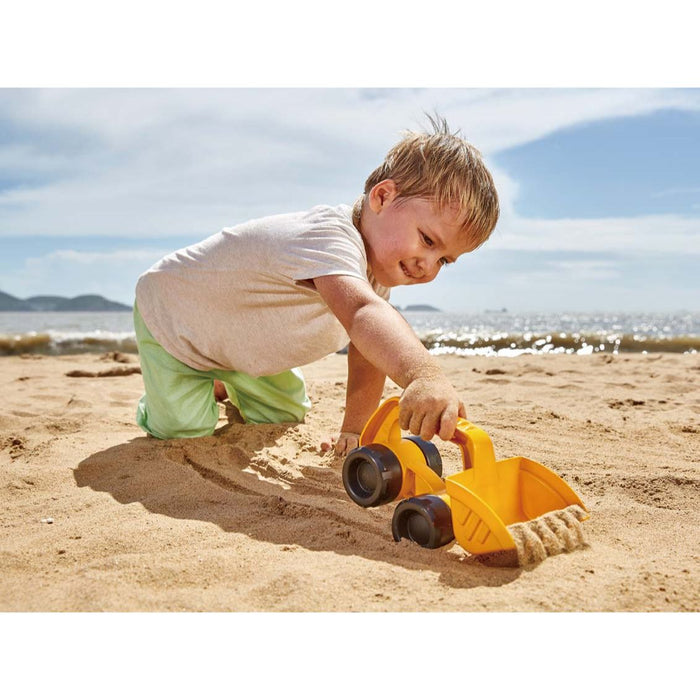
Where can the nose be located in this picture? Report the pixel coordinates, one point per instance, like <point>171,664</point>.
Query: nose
<point>429,267</point>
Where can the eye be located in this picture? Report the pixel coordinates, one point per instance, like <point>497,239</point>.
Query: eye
<point>426,239</point>
<point>445,261</point>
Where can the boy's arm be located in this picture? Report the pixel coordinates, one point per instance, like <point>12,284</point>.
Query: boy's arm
<point>364,391</point>
<point>429,404</point>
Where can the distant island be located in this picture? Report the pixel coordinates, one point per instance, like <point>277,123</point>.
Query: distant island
<point>418,307</point>
<point>95,302</point>
<point>85,302</point>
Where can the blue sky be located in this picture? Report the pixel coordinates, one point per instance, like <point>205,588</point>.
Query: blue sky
<point>600,188</point>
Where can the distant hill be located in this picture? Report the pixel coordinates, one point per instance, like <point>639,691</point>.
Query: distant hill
<point>420,307</point>
<point>85,302</point>
<point>10,303</point>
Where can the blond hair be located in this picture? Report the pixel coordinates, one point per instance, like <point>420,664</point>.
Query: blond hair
<point>444,168</point>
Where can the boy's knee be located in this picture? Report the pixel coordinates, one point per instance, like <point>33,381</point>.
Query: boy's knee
<point>165,423</point>
<point>290,413</point>
<point>279,398</point>
<point>282,412</point>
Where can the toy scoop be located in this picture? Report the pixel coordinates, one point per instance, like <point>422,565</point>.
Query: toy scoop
<point>508,512</point>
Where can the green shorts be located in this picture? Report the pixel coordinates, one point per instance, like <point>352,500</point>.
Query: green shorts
<point>179,400</point>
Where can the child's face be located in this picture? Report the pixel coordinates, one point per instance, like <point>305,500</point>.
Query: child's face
<point>407,241</point>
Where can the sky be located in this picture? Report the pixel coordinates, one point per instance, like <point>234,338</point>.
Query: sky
<point>599,188</point>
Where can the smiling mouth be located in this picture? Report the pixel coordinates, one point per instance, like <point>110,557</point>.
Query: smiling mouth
<point>404,269</point>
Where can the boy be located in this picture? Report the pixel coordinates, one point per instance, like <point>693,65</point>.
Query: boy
<point>235,314</point>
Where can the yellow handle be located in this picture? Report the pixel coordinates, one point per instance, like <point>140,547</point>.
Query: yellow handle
<point>476,445</point>
<point>474,442</point>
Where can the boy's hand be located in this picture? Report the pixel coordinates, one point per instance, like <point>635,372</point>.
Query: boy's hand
<point>342,444</point>
<point>430,406</point>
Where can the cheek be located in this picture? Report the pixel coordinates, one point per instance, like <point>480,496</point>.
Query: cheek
<point>387,249</point>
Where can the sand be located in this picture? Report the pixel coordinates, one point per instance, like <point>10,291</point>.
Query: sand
<point>96,516</point>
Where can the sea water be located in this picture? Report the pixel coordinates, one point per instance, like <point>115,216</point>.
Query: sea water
<point>486,333</point>
<point>64,333</point>
<point>509,334</point>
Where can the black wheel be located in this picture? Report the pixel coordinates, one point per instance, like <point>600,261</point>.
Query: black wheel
<point>425,520</point>
<point>430,452</point>
<point>372,475</point>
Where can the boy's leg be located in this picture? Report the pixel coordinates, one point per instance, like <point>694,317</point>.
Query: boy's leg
<point>279,398</point>
<point>179,401</point>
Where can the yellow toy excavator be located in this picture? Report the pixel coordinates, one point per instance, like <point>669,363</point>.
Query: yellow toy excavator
<point>480,506</point>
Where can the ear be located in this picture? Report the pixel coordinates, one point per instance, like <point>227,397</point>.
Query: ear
<point>382,194</point>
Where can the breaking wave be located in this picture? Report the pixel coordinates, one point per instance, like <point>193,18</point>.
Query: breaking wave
<point>56,343</point>
<point>486,333</point>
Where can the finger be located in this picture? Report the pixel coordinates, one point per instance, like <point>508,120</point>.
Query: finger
<point>345,445</point>
<point>462,410</point>
<point>416,423</point>
<point>352,442</point>
<point>339,449</point>
<point>429,426</point>
<point>405,415</point>
<point>448,423</point>
<point>327,444</point>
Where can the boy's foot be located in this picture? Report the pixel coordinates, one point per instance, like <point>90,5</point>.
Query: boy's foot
<point>220,393</point>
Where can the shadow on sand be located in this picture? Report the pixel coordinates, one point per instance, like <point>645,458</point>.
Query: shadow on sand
<point>230,480</point>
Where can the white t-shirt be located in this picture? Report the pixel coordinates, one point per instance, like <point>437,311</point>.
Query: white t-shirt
<point>241,299</point>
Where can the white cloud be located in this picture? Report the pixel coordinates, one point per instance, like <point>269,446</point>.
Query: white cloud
<point>72,272</point>
<point>587,269</point>
<point>188,162</point>
<point>664,233</point>
<point>80,257</point>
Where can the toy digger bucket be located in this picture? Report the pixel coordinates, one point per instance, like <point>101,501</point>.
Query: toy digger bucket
<point>483,499</point>
<point>489,495</point>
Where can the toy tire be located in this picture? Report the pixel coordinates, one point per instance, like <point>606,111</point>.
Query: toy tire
<point>372,475</point>
<point>430,452</point>
<point>425,520</point>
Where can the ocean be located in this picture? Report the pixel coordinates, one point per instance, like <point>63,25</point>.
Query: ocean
<point>497,333</point>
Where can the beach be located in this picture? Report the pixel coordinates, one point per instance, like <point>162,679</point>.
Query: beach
<point>99,517</point>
